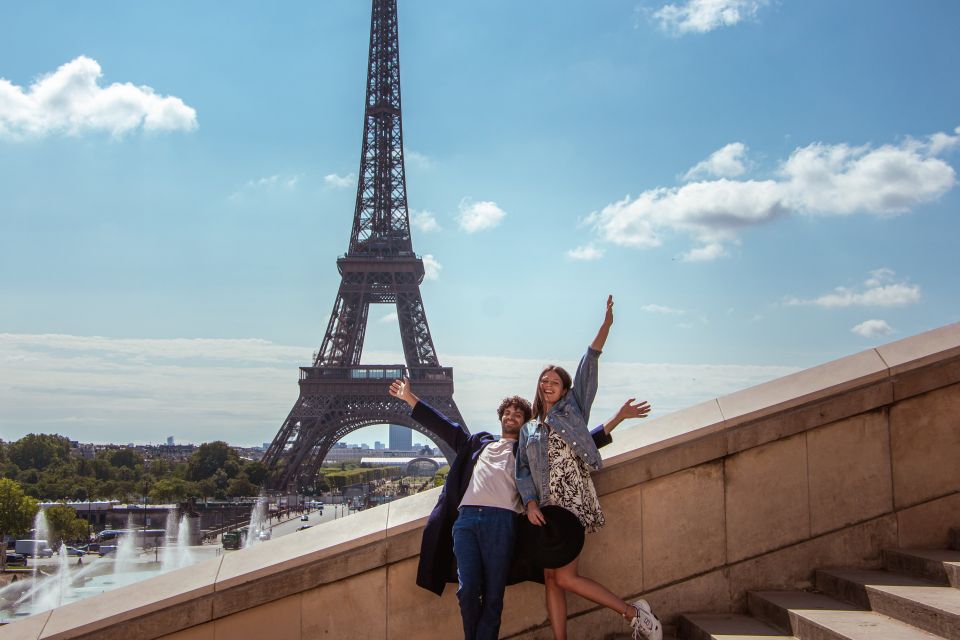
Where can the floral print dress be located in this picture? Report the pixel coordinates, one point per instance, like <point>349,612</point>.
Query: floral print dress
<point>570,484</point>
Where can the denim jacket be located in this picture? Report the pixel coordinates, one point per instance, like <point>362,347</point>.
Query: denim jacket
<point>569,418</point>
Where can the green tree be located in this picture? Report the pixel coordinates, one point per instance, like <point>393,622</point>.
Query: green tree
<point>241,486</point>
<point>171,490</point>
<point>256,472</point>
<point>211,457</point>
<point>16,509</point>
<point>65,524</point>
<point>38,451</point>
<point>125,458</point>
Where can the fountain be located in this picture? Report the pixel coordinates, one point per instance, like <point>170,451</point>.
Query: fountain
<point>63,582</point>
<point>258,518</point>
<point>178,554</point>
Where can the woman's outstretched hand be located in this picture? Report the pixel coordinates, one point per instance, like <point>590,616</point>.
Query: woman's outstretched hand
<point>630,409</point>
<point>534,515</point>
<point>401,389</point>
<point>601,338</point>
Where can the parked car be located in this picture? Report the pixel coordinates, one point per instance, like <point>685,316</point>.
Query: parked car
<point>15,559</point>
<point>34,548</point>
<point>74,551</point>
<point>302,527</point>
<point>265,534</point>
<point>304,518</point>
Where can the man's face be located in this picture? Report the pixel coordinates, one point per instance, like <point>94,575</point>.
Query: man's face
<point>511,420</point>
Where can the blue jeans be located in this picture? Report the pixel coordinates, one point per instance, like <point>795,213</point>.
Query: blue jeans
<point>483,544</point>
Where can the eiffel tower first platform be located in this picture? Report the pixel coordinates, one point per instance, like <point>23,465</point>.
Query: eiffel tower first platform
<point>338,394</point>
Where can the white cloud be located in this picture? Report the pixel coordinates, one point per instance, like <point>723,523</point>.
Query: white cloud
<point>701,16</point>
<point>104,389</point>
<point>417,159</point>
<point>389,317</point>
<point>815,180</point>
<point>585,252</point>
<point>873,328</point>
<point>879,291</point>
<point>71,101</point>
<point>431,267</point>
<point>726,162</point>
<point>659,308</point>
<point>339,182</point>
<point>478,216</point>
<point>424,221</point>
<point>266,184</point>
<point>706,253</point>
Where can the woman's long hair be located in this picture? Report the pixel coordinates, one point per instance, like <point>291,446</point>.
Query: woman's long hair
<point>539,408</point>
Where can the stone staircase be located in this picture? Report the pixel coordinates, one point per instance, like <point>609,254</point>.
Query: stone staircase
<point>916,596</point>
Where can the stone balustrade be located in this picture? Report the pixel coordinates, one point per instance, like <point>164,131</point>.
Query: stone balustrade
<point>822,468</point>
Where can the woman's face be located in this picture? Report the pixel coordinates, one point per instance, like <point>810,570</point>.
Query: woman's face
<point>551,387</point>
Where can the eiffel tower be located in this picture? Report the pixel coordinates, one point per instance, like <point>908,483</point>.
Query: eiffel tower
<point>338,395</point>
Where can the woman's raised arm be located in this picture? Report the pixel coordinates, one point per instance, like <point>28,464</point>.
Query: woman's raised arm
<point>604,330</point>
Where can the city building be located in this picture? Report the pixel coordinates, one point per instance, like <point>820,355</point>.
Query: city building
<point>401,438</point>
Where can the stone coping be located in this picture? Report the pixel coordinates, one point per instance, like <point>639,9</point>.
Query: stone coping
<point>389,533</point>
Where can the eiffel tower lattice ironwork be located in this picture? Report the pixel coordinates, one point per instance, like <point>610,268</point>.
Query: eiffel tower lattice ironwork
<point>338,394</point>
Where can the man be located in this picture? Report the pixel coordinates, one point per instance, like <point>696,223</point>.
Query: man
<point>469,536</point>
<point>475,517</point>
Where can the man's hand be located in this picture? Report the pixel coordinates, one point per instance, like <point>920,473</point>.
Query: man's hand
<point>534,515</point>
<point>401,389</point>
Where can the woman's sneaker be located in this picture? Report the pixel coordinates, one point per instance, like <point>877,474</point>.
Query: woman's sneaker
<point>644,623</point>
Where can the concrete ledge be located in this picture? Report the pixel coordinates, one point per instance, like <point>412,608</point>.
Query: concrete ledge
<point>703,505</point>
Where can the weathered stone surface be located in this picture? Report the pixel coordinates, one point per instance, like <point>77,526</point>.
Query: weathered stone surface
<point>792,567</point>
<point>298,579</point>
<point>842,493</point>
<point>206,631</point>
<point>413,612</point>
<point>277,620</point>
<point>683,525</point>
<point>928,525</point>
<point>925,445</point>
<point>802,388</point>
<point>767,498</point>
<point>360,598</point>
<point>922,350</point>
<point>802,418</point>
<point>614,555</point>
<point>28,628</point>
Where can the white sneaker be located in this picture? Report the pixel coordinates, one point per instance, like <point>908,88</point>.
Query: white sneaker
<point>645,624</point>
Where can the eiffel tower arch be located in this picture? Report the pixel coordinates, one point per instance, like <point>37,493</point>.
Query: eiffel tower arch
<point>338,395</point>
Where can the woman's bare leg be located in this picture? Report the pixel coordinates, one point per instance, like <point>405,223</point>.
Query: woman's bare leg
<point>556,604</point>
<point>568,578</point>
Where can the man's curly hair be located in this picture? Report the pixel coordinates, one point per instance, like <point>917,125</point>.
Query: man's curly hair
<point>520,403</point>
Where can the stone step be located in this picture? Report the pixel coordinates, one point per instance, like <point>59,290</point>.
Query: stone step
<point>726,626</point>
<point>814,616</point>
<point>941,566</point>
<point>920,603</point>
<point>955,539</point>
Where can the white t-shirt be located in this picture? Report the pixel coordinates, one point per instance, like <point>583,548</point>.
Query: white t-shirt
<point>492,483</point>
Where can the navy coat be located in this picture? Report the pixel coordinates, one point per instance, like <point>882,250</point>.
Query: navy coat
<point>437,563</point>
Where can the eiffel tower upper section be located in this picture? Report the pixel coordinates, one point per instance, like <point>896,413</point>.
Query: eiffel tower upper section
<point>380,265</point>
<point>338,394</point>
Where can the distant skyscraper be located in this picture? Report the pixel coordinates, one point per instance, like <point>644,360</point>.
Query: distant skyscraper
<point>378,445</point>
<point>401,438</point>
<point>169,441</point>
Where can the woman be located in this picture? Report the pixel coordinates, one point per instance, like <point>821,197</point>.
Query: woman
<point>554,459</point>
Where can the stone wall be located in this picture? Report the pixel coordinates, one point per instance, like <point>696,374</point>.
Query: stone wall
<point>753,490</point>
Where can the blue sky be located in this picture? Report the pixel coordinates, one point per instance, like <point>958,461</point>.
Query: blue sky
<point>762,185</point>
